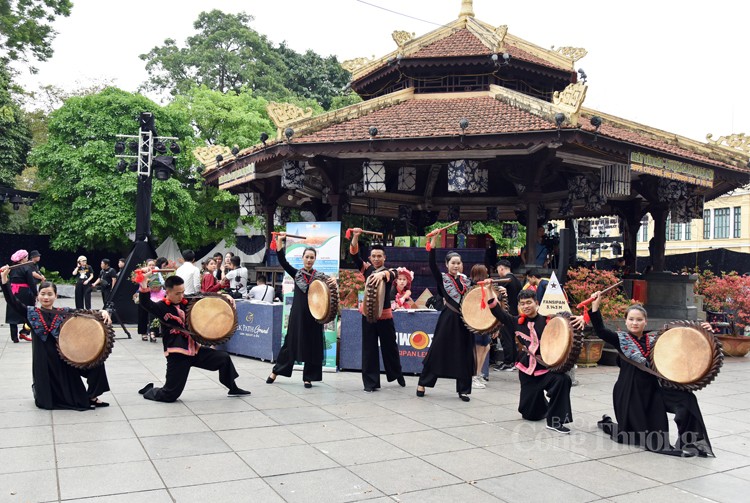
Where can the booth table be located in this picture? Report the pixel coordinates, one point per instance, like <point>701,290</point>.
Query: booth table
<point>258,332</point>
<point>414,331</point>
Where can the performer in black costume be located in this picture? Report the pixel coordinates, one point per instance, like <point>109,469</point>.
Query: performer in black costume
<point>181,350</point>
<point>56,384</point>
<point>304,341</point>
<point>384,330</point>
<point>535,377</point>
<point>507,337</point>
<point>24,288</point>
<point>640,402</point>
<point>451,353</point>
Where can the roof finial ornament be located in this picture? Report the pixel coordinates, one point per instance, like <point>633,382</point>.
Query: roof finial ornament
<point>467,8</point>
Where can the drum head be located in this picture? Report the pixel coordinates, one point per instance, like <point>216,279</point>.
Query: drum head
<point>475,318</point>
<point>83,341</point>
<point>319,299</point>
<point>683,354</point>
<point>556,341</point>
<point>213,320</point>
<point>374,298</point>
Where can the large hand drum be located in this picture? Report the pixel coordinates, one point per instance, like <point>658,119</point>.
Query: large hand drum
<point>212,320</point>
<point>323,301</point>
<point>373,303</point>
<point>85,341</point>
<point>559,345</point>
<point>478,319</point>
<point>687,356</point>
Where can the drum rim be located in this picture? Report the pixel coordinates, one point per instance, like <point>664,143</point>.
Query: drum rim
<point>109,339</point>
<point>373,311</point>
<point>333,299</point>
<point>495,326</point>
<point>714,369</point>
<point>574,351</point>
<point>326,289</point>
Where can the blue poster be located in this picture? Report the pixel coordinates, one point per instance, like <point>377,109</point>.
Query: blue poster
<point>325,237</point>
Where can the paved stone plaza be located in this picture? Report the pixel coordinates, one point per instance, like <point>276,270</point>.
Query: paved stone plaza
<point>334,443</point>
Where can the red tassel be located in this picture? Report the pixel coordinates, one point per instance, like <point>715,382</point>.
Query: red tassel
<point>483,304</point>
<point>428,246</point>
<point>521,319</point>
<point>139,276</point>
<point>586,316</point>
<point>348,233</point>
<point>273,241</point>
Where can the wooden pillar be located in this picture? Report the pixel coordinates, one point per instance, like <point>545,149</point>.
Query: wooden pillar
<point>657,244</point>
<point>335,201</point>
<point>631,215</point>
<point>532,216</point>
<point>269,209</point>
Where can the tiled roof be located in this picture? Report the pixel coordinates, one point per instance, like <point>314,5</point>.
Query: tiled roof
<point>465,43</point>
<point>460,43</point>
<point>417,118</point>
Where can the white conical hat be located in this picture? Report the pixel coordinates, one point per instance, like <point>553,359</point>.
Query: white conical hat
<point>554,300</point>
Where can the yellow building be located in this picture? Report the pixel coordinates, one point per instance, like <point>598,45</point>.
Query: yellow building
<point>725,224</point>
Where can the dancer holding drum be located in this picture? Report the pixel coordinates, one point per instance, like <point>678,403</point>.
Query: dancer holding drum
<point>56,384</point>
<point>378,281</point>
<point>180,348</point>
<point>451,353</point>
<point>304,341</point>
<point>535,377</point>
<point>640,401</point>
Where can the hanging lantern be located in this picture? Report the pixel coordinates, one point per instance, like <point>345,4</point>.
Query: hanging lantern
<point>510,231</point>
<point>250,205</point>
<point>374,176</point>
<point>481,182</point>
<point>372,206</point>
<point>293,175</point>
<point>407,178</point>
<point>460,174</point>
<point>404,212</point>
<point>454,213</point>
<point>615,180</point>
<point>584,228</point>
<point>493,214</point>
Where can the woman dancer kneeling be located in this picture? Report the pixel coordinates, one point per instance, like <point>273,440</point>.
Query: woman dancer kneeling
<point>640,402</point>
<point>56,385</point>
<point>451,353</point>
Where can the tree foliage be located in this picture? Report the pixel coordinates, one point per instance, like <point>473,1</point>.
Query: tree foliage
<point>25,27</point>
<point>15,134</point>
<point>88,204</point>
<point>226,54</point>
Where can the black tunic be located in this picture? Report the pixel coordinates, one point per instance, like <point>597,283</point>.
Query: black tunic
<point>641,403</point>
<point>304,335</point>
<point>451,353</point>
<point>56,384</point>
<point>25,294</point>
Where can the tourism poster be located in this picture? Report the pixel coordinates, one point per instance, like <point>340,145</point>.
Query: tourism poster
<point>325,237</point>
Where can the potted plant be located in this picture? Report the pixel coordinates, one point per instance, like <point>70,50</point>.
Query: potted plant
<point>730,294</point>
<point>580,284</point>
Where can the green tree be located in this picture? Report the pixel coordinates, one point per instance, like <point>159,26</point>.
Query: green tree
<point>25,27</point>
<point>226,54</point>
<point>312,76</point>
<point>88,204</point>
<point>15,133</point>
<point>494,229</point>
<point>232,118</point>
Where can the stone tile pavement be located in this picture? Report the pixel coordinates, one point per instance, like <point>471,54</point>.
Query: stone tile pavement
<point>334,443</point>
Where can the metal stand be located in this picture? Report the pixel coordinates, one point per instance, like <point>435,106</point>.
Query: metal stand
<point>110,306</point>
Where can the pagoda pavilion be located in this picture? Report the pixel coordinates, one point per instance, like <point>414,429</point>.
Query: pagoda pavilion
<point>469,122</point>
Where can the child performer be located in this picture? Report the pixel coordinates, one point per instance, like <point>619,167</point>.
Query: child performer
<point>401,294</point>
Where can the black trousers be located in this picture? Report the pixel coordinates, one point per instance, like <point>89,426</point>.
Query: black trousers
<point>463,385</point>
<point>105,296</point>
<point>143,321</point>
<point>96,379</point>
<point>178,369</point>
<point>533,405</point>
<point>311,371</point>
<point>384,331</point>
<point>83,296</point>
<point>508,343</point>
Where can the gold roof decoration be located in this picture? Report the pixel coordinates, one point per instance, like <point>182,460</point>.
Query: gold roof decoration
<point>495,38</point>
<point>402,37</point>
<point>352,65</point>
<point>574,53</point>
<point>570,100</point>
<point>284,113</point>
<point>739,141</point>
<point>467,8</point>
<point>207,155</point>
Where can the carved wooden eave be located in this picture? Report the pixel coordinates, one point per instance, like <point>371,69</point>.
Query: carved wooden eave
<point>207,155</point>
<point>569,102</point>
<point>494,38</point>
